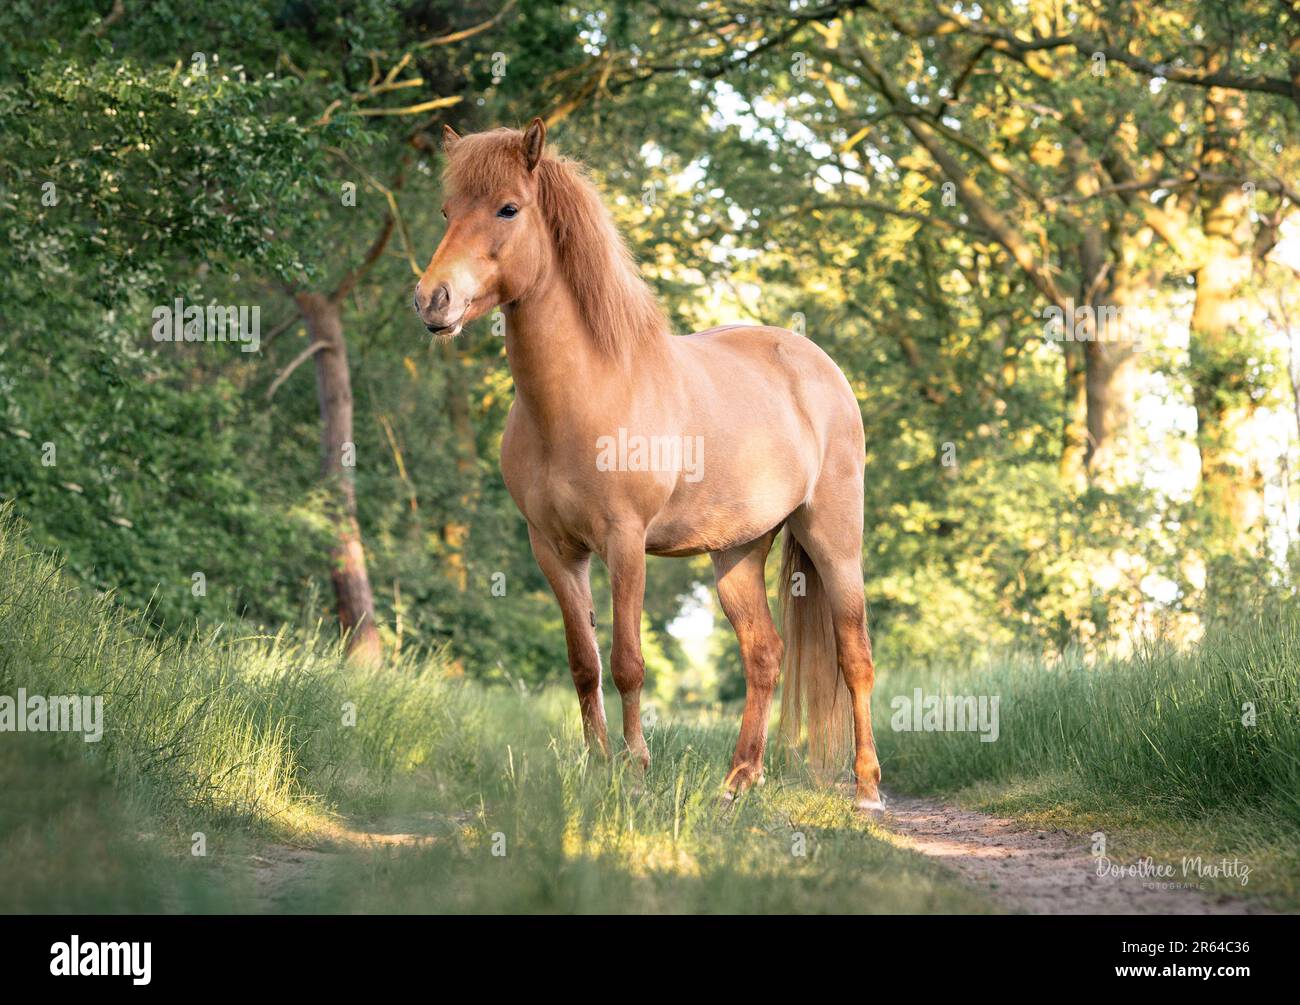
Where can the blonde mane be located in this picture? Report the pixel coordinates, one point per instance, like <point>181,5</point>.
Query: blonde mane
<point>619,307</point>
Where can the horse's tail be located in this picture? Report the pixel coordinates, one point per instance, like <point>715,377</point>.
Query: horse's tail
<point>813,688</point>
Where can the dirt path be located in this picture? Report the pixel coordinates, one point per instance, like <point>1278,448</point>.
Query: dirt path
<point>280,869</point>
<point>1021,869</point>
<point>1044,872</point>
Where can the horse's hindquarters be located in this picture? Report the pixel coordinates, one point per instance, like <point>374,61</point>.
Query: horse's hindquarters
<point>761,413</point>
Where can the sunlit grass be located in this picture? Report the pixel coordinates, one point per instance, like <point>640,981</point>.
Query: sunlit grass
<point>252,729</point>
<point>251,742</point>
<point>1179,751</point>
<point>556,831</point>
<point>260,742</point>
<point>1193,731</point>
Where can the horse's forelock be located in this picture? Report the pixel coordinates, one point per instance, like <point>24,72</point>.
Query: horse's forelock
<point>484,164</point>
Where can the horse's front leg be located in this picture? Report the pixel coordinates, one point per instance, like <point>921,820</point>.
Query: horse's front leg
<point>625,557</point>
<point>569,576</point>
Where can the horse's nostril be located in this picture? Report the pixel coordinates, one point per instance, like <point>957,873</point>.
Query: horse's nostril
<point>441,297</point>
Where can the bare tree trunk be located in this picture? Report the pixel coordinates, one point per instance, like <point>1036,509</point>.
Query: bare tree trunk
<point>1074,425</point>
<point>1106,372</point>
<point>1113,377</point>
<point>356,602</point>
<point>1231,488</point>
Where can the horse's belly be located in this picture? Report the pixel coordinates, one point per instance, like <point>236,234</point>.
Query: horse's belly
<point>696,523</point>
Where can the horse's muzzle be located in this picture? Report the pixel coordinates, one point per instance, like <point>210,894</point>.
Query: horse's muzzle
<point>445,331</point>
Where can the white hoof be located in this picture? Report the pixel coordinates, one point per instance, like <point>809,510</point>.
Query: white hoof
<point>871,805</point>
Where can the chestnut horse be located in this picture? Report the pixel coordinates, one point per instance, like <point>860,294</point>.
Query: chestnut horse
<point>624,440</point>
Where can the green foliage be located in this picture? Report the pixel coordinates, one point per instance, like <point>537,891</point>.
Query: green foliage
<point>133,471</point>
<point>117,174</point>
<point>759,175</point>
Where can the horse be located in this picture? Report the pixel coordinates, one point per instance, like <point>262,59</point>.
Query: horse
<point>625,440</point>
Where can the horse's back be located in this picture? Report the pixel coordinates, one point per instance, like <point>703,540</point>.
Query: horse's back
<point>765,359</point>
<point>763,343</point>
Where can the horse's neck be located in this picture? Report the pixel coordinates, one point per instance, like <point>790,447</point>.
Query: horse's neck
<point>562,378</point>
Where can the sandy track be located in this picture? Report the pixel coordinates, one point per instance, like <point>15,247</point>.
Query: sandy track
<point>280,869</point>
<point>1043,872</point>
<point>1019,868</point>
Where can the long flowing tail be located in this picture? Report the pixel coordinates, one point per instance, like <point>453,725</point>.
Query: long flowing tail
<point>813,690</point>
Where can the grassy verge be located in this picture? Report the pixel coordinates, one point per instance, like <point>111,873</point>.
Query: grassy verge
<point>1168,753</point>
<point>237,746</point>
<point>235,740</point>
<point>543,828</point>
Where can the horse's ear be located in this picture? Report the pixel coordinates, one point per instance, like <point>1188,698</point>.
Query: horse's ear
<point>449,138</point>
<point>534,140</point>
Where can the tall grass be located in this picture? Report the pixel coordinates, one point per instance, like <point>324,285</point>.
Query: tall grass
<point>1168,728</point>
<point>260,740</point>
<point>559,833</point>
<point>250,741</point>
<point>256,729</point>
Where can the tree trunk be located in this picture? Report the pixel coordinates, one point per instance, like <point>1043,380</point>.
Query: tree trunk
<point>1074,426</point>
<point>1106,371</point>
<point>1113,376</point>
<point>1231,487</point>
<point>356,602</point>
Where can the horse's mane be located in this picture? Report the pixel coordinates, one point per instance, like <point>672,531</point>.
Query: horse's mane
<point>619,307</point>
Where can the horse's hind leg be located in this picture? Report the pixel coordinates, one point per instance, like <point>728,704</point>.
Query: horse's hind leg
<point>743,593</point>
<point>830,530</point>
<point>853,646</point>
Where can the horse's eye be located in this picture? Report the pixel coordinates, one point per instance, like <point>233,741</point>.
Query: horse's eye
<point>508,211</point>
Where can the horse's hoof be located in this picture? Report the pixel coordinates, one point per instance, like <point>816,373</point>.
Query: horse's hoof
<point>744,777</point>
<point>871,807</point>
<point>637,760</point>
